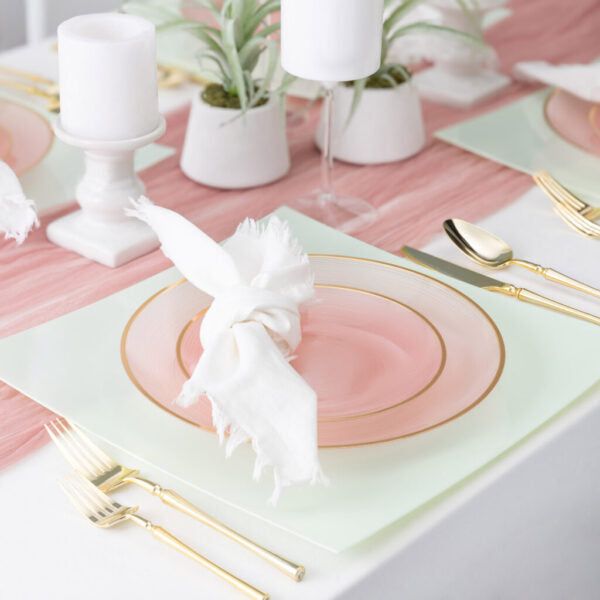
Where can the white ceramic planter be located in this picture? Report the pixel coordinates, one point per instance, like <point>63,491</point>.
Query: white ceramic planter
<point>386,127</point>
<point>225,149</point>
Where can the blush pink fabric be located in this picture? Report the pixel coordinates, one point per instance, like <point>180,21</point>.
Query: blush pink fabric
<point>40,281</point>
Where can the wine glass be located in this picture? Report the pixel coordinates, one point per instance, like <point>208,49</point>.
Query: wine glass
<point>331,41</point>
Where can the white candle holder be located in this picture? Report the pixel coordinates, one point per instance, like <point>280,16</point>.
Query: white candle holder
<point>462,77</point>
<point>331,41</point>
<point>101,231</point>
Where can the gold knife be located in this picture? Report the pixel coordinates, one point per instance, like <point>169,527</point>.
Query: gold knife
<point>493,285</point>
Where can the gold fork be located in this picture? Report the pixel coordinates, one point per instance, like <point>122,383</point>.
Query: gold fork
<point>52,99</point>
<point>573,210</point>
<point>105,473</point>
<point>104,512</point>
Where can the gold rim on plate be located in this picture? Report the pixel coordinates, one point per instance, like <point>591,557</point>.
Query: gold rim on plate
<point>435,330</point>
<point>478,400</point>
<point>8,136</point>
<point>591,114</point>
<point>40,118</point>
<point>592,119</point>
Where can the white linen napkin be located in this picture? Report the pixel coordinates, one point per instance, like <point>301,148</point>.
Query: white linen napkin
<point>258,278</point>
<point>582,81</point>
<point>17,213</point>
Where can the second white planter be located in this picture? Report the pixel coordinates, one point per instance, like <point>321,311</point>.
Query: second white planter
<point>387,125</point>
<point>225,149</point>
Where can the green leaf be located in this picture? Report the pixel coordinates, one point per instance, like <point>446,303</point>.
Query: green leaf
<point>398,13</point>
<point>265,84</point>
<point>359,88</point>
<point>237,73</point>
<point>261,14</point>
<point>422,27</point>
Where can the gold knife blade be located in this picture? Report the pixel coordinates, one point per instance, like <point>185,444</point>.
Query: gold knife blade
<point>455,271</point>
<point>493,285</point>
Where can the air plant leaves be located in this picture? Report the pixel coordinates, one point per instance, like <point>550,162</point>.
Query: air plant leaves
<point>423,27</point>
<point>233,58</point>
<point>234,47</point>
<point>396,11</point>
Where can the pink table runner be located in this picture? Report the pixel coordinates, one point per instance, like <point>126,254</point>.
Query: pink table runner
<point>40,282</point>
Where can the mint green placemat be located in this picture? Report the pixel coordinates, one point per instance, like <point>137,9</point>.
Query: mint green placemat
<point>518,136</point>
<point>72,366</point>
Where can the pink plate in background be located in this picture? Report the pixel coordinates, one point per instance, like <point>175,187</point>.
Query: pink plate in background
<point>395,363</point>
<point>573,119</point>
<point>29,132</point>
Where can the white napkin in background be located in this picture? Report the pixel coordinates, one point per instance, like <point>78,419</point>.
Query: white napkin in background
<point>537,234</point>
<point>258,278</point>
<point>582,81</point>
<point>17,214</point>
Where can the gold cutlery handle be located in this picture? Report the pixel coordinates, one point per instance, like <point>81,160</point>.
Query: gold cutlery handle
<point>591,213</point>
<point>26,75</point>
<point>28,89</point>
<point>556,277</point>
<point>174,500</point>
<point>538,300</point>
<point>168,538</point>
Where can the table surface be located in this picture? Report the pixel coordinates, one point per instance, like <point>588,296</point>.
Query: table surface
<point>529,523</point>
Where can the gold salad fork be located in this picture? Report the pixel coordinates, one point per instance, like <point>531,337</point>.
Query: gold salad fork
<point>52,99</point>
<point>105,473</point>
<point>579,215</point>
<point>104,512</point>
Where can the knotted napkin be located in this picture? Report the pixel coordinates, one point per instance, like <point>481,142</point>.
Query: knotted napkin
<point>17,213</point>
<point>582,81</point>
<point>258,279</point>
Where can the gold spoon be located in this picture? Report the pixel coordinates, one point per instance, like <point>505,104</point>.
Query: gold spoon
<point>490,251</point>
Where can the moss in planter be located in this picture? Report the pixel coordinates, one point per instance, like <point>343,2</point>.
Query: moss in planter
<point>216,95</point>
<point>380,79</point>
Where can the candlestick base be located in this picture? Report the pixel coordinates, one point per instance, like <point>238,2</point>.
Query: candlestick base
<point>101,231</point>
<point>459,89</point>
<point>341,212</point>
<point>110,244</point>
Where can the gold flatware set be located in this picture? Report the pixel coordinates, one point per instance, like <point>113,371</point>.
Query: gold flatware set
<point>576,213</point>
<point>97,474</point>
<point>103,512</point>
<point>490,251</point>
<point>35,85</point>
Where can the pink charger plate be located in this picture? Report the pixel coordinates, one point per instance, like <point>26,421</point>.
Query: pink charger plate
<point>574,119</point>
<point>389,351</point>
<point>29,133</point>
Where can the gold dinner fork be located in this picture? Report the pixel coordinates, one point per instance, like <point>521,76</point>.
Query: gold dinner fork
<point>105,473</point>
<point>578,214</point>
<point>52,99</point>
<point>104,512</point>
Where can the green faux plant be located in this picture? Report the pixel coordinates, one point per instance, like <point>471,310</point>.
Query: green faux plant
<point>233,46</point>
<point>392,74</point>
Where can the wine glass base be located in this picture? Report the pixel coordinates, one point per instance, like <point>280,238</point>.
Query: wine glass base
<point>341,212</point>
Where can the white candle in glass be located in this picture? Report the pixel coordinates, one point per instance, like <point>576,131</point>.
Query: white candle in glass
<point>331,40</point>
<point>107,76</point>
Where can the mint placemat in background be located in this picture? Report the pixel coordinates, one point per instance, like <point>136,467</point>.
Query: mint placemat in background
<point>72,365</point>
<point>518,136</point>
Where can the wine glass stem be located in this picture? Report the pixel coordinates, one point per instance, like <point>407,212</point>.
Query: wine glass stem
<point>327,152</point>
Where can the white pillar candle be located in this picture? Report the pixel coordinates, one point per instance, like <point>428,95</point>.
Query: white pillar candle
<point>331,40</point>
<point>107,76</point>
